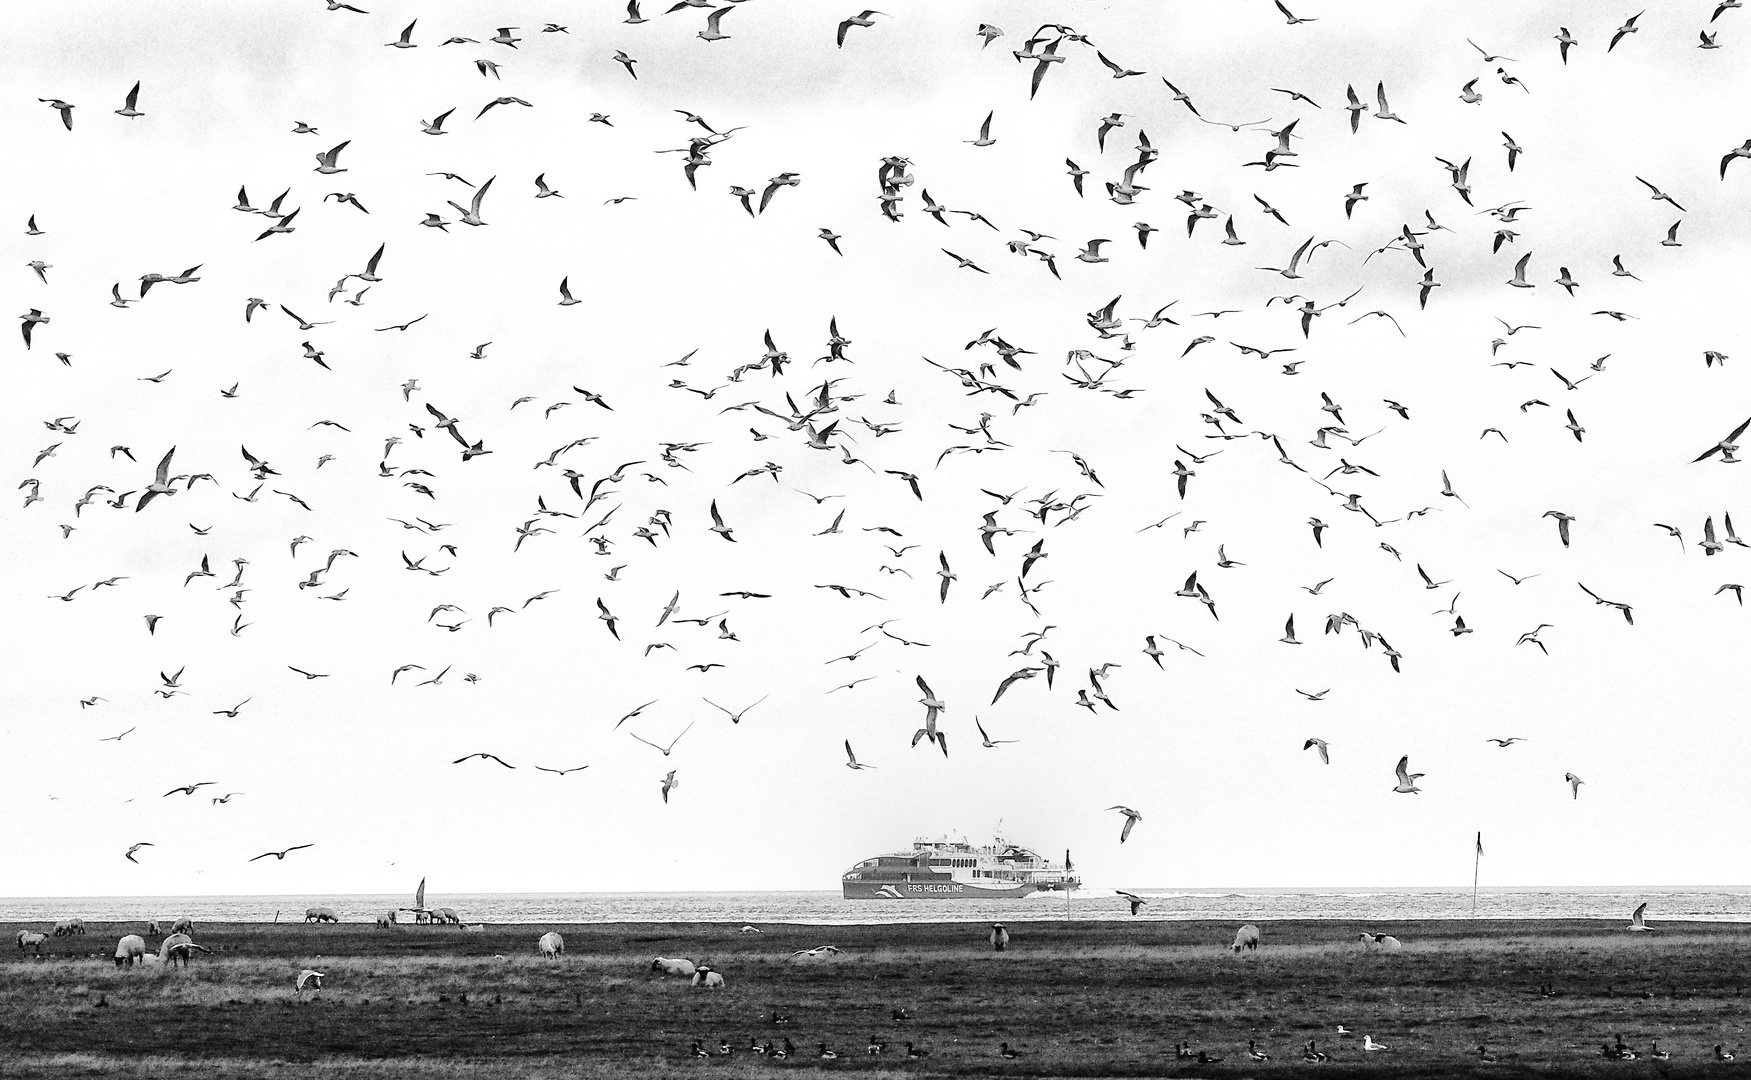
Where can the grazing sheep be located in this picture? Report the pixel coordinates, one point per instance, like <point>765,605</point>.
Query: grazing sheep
<point>178,947</point>
<point>1381,942</point>
<point>321,914</point>
<point>999,937</point>
<point>130,950</point>
<point>386,920</point>
<point>551,945</point>
<point>1246,939</point>
<point>680,968</point>
<point>183,925</point>
<point>152,928</point>
<point>67,927</point>
<point>32,939</point>
<point>310,978</point>
<point>446,915</point>
<point>707,978</point>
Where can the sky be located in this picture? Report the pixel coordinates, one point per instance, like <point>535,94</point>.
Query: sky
<point>677,288</point>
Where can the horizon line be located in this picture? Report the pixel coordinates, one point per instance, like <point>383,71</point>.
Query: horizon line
<point>1187,890</point>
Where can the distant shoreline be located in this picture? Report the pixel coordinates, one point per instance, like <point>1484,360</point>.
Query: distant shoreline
<point>1723,905</point>
<point>1087,891</point>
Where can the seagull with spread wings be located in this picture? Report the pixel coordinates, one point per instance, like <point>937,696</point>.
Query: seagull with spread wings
<point>281,855</point>
<point>853,763</point>
<point>1132,817</point>
<point>483,754</point>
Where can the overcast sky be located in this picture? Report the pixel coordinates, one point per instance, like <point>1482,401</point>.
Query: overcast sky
<point>1209,747</point>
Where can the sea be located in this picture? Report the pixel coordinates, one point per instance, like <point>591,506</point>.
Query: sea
<point>1376,905</point>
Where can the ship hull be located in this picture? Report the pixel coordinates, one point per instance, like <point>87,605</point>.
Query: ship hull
<point>934,890</point>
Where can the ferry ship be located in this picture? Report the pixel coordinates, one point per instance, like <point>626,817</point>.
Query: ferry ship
<point>956,870</point>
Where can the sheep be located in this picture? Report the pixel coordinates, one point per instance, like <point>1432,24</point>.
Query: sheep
<point>385,921</point>
<point>551,945</point>
<point>707,978</point>
<point>67,927</point>
<point>1246,939</point>
<point>999,937</point>
<point>183,925</point>
<point>32,939</point>
<point>130,949</point>
<point>1380,942</point>
<point>679,968</point>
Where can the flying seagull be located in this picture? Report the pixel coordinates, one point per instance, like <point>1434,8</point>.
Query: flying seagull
<point>1132,817</point>
<point>281,855</point>
<point>1407,780</point>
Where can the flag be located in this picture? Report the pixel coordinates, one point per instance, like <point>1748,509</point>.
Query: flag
<point>1480,845</point>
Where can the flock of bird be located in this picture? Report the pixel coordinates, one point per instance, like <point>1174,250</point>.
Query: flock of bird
<point>905,492</point>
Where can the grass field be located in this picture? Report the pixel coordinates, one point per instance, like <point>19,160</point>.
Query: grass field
<point>1072,999</point>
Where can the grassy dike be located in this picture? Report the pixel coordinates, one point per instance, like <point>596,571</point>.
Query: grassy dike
<point>1072,999</point>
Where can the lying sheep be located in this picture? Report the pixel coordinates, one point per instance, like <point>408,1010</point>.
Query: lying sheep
<point>707,978</point>
<point>1381,942</point>
<point>1246,939</point>
<point>680,968</point>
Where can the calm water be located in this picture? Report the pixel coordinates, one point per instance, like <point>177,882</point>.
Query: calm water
<point>1711,903</point>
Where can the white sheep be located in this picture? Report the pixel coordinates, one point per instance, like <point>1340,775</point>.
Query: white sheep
<point>1246,939</point>
<point>679,968</point>
<point>32,939</point>
<point>131,949</point>
<point>707,978</point>
<point>1381,942</point>
<point>551,945</point>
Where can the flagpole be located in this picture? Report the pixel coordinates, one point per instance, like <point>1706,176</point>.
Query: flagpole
<point>1476,862</point>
